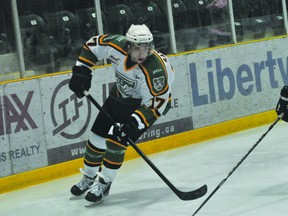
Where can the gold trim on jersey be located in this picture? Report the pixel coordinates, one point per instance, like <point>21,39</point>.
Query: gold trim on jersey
<point>115,46</point>
<point>143,118</point>
<point>148,77</point>
<point>126,69</point>
<point>156,113</point>
<point>86,47</point>
<point>86,61</point>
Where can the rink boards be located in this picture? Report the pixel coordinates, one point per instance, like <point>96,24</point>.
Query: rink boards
<point>44,127</point>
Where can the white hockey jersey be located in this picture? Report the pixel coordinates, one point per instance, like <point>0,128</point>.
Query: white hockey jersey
<point>150,81</point>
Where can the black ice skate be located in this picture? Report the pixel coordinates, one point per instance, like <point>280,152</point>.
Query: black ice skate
<point>98,191</point>
<point>82,186</point>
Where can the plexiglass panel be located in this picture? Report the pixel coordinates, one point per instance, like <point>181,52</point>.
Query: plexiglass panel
<point>201,23</point>
<point>121,14</point>
<point>9,68</point>
<point>53,32</point>
<point>256,19</point>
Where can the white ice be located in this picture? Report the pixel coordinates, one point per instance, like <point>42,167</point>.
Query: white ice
<point>258,187</point>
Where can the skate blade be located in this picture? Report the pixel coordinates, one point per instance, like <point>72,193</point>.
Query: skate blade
<point>89,204</point>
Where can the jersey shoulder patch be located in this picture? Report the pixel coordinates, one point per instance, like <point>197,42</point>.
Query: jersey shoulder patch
<point>154,69</point>
<point>118,42</point>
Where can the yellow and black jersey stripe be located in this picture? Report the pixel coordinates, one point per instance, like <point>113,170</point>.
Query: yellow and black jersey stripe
<point>155,73</point>
<point>87,57</point>
<point>118,42</point>
<point>147,115</point>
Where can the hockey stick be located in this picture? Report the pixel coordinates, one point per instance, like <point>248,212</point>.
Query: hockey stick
<point>238,164</point>
<point>191,195</point>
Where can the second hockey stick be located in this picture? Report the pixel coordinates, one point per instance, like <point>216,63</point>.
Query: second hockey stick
<point>238,164</point>
<point>190,195</point>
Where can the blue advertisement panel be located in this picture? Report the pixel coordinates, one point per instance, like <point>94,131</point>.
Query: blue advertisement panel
<point>236,81</point>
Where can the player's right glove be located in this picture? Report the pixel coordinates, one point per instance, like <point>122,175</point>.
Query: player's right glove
<point>282,106</point>
<point>125,132</point>
<point>80,80</point>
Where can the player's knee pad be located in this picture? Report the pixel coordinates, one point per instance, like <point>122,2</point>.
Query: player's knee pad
<point>114,155</point>
<point>116,145</point>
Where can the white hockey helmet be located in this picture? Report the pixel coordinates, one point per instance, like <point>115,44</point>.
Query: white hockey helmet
<point>139,35</point>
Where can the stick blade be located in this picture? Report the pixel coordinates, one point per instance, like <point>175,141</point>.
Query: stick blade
<point>192,195</point>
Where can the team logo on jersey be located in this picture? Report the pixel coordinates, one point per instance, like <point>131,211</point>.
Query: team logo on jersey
<point>159,83</point>
<point>124,84</point>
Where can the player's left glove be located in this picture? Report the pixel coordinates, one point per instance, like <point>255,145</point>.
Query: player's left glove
<point>127,130</point>
<point>80,80</point>
<point>282,106</point>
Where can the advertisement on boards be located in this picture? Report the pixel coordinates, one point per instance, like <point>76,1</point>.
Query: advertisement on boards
<point>43,123</point>
<point>22,146</point>
<point>68,119</point>
<point>237,81</point>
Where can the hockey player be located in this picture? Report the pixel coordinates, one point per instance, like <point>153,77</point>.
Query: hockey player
<point>141,94</point>
<point>282,106</point>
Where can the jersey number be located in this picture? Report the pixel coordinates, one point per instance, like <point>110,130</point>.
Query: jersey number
<point>93,43</point>
<point>157,102</point>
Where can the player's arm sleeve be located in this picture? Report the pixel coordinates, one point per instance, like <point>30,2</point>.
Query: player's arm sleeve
<point>155,103</point>
<point>93,51</point>
<point>152,109</point>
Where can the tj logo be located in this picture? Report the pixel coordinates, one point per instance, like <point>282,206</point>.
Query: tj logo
<point>65,110</point>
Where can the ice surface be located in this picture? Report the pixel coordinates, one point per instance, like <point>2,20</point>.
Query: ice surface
<point>258,187</point>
